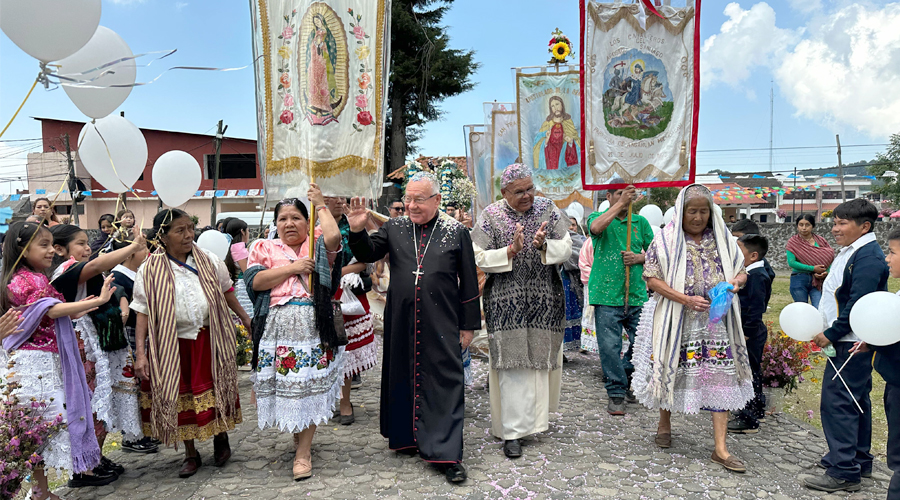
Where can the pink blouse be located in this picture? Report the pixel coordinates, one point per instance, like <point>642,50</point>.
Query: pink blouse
<point>586,260</point>
<point>273,254</point>
<point>26,287</point>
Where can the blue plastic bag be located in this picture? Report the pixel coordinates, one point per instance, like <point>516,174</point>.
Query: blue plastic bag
<point>720,298</point>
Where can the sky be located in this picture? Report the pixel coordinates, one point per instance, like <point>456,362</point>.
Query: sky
<point>833,66</point>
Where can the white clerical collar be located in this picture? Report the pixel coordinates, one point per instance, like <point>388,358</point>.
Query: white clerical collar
<point>756,265</point>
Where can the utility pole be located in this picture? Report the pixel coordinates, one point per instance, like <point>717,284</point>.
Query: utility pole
<point>841,169</point>
<point>771,123</point>
<point>220,133</point>
<point>794,194</point>
<point>73,182</point>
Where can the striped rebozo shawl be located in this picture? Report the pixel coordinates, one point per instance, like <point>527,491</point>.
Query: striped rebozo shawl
<point>668,318</point>
<point>165,361</point>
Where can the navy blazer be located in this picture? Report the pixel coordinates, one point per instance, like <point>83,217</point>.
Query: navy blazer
<point>866,272</point>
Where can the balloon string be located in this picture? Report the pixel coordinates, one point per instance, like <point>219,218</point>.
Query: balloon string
<point>21,105</point>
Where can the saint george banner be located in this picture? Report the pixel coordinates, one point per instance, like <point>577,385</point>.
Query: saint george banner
<point>640,81</point>
<point>478,142</point>
<point>320,91</point>
<point>548,104</point>
<point>502,124</point>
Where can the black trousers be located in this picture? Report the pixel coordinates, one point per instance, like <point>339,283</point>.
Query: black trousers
<point>892,410</point>
<point>848,433</point>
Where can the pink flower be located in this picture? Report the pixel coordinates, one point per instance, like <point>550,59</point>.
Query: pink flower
<point>364,118</point>
<point>287,32</point>
<point>362,101</point>
<point>281,351</point>
<point>809,414</point>
<point>287,116</point>
<point>288,100</point>
<point>358,32</point>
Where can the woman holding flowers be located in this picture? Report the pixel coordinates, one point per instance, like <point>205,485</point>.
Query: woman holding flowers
<point>684,362</point>
<point>298,362</point>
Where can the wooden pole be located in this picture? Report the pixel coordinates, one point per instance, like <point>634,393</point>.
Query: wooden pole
<point>312,234</point>
<point>628,249</point>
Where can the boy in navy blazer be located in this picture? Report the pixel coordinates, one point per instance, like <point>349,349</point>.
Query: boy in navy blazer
<point>858,269</point>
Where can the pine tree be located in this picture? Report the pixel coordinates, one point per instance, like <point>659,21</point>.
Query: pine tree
<point>424,72</point>
<point>889,161</point>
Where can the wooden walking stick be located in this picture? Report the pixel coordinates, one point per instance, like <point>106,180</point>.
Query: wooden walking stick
<point>628,249</point>
<point>312,234</point>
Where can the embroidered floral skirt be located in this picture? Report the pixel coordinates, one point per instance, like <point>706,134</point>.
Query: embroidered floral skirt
<point>297,383</point>
<point>588,336</point>
<point>361,352</point>
<point>706,377</point>
<point>574,297</point>
<point>197,414</point>
<point>38,375</point>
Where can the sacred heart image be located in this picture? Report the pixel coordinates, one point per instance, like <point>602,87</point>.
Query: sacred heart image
<point>637,102</point>
<point>322,64</point>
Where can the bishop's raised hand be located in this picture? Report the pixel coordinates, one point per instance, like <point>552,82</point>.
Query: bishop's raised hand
<point>358,215</point>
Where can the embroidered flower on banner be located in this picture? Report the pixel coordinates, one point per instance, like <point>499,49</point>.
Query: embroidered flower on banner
<point>285,80</point>
<point>288,100</point>
<point>362,53</point>
<point>364,80</point>
<point>362,101</point>
<point>358,32</point>
<point>364,118</point>
<point>284,52</point>
<point>287,117</point>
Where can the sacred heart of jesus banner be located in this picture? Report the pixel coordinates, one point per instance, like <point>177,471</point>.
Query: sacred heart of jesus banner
<point>640,79</point>
<point>548,104</point>
<point>320,87</point>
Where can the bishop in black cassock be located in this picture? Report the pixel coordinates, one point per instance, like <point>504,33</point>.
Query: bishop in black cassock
<point>432,298</point>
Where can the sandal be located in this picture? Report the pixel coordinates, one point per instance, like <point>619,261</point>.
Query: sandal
<point>731,463</point>
<point>302,468</point>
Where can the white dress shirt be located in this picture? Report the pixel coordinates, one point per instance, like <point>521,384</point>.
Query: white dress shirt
<point>828,305</point>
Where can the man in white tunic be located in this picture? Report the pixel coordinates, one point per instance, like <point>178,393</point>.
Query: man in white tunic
<point>519,243</point>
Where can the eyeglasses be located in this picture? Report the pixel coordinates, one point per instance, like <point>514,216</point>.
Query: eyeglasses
<point>399,209</point>
<point>417,201</point>
<point>519,194</point>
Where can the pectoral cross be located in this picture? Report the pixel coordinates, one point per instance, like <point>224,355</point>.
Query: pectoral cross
<point>418,273</point>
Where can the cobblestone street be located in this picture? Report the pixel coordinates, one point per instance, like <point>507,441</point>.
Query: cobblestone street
<point>585,454</point>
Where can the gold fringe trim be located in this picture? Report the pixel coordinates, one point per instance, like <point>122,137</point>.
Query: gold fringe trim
<point>625,12</point>
<point>186,402</point>
<point>189,432</point>
<point>321,169</point>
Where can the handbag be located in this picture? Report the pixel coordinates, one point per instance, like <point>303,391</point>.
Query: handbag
<point>339,323</point>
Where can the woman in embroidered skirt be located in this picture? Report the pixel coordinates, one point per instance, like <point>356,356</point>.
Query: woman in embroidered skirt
<point>683,362</point>
<point>361,352</point>
<point>189,388</point>
<point>298,365</point>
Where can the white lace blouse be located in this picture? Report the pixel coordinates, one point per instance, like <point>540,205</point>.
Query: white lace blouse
<point>191,307</point>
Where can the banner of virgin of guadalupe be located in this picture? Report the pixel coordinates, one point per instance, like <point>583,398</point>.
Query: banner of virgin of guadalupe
<point>320,89</point>
<point>548,107</point>
<point>479,162</point>
<point>640,80</point>
<point>503,126</point>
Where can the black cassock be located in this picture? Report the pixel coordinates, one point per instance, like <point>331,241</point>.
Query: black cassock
<point>422,382</point>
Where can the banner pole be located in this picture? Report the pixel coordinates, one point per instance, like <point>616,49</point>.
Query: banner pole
<point>628,249</point>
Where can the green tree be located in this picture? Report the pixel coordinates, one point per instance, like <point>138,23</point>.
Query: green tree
<point>889,161</point>
<point>663,197</point>
<point>424,72</point>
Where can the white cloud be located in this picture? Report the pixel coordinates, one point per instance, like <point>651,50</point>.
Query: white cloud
<point>180,5</point>
<point>747,40</point>
<point>806,6</point>
<point>847,71</point>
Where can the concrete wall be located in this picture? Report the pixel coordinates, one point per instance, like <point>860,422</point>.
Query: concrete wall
<point>778,235</point>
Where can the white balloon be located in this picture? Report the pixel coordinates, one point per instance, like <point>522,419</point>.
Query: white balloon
<point>215,242</point>
<point>104,47</point>
<point>653,214</point>
<point>656,230</point>
<point>875,318</point>
<point>603,206</point>
<point>176,177</point>
<point>49,30</point>
<point>801,321</point>
<point>114,152</point>
<point>669,215</point>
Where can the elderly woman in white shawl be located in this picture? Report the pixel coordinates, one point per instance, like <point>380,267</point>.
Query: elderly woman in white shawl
<point>684,363</point>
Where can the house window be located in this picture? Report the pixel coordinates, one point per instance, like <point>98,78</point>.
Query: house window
<point>232,166</point>
<point>763,218</point>
<point>836,195</point>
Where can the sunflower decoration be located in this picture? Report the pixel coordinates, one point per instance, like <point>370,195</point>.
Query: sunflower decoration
<point>559,47</point>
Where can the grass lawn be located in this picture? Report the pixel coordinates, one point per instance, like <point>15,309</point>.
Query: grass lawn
<point>806,397</point>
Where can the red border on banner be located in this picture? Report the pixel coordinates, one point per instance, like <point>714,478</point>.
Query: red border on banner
<point>692,171</point>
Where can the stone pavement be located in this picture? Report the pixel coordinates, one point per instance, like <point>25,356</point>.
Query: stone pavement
<point>585,454</point>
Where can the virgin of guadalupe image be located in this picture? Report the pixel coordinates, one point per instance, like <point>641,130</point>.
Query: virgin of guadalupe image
<point>321,85</point>
<point>556,143</point>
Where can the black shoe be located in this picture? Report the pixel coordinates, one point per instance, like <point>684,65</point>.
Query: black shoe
<point>456,473</point>
<point>83,480</point>
<point>831,484</point>
<point>111,466</point>
<point>741,426</point>
<point>512,448</point>
<point>155,441</point>
<point>629,397</point>
<point>144,445</point>
<point>355,382</point>
<point>866,473</point>
<point>616,406</point>
<point>349,419</point>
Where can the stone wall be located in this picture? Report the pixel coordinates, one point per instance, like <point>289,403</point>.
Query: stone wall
<point>778,235</point>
